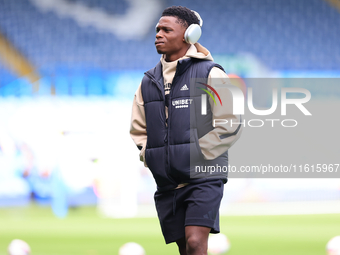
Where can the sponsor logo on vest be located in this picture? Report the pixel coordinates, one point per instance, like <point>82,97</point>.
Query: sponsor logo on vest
<point>182,103</point>
<point>185,87</point>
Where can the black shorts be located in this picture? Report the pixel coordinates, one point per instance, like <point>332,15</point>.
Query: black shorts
<point>192,205</point>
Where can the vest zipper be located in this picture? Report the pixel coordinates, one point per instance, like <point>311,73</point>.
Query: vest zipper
<point>169,114</point>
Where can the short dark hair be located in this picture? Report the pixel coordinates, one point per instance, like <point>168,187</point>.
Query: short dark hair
<point>184,15</point>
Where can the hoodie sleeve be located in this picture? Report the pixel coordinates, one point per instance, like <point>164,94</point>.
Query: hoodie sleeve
<point>138,124</point>
<point>223,136</point>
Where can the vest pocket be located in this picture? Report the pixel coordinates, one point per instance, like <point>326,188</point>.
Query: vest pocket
<point>179,155</point>
<point>156,161</point>
<point>185,157</point>
<point>196,155</point>
<point>199,151</point>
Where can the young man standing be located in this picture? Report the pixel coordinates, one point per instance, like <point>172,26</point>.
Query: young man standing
<point>177,136</point>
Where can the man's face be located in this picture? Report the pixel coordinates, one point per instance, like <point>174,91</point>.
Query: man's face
<point>170,36</point>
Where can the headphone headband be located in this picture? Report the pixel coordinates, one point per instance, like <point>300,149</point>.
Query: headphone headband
<point>194,31</point>
<point>199,18</point>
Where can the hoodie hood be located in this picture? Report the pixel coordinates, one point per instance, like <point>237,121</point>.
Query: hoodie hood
<point>198,51</point>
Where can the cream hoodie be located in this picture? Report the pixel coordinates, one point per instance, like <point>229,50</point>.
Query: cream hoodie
<point>211,144</point>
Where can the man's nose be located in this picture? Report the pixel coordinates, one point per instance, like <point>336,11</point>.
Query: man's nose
<point>159,34</point>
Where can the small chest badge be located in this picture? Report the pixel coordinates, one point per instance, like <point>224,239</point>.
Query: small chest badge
<point>185,87</point>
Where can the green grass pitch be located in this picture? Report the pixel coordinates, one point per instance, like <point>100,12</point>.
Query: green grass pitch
<point>83,232</point>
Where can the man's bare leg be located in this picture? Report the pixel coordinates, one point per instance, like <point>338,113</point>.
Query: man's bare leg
<point>196,240</point>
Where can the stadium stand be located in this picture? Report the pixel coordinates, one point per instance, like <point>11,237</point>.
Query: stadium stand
<point>284,35</point>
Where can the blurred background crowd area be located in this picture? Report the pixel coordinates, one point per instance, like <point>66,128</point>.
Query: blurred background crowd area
<point>69,70</point>
<point>83,47</point>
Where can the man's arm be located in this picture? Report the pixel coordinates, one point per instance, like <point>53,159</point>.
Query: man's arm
<point>138,124</point>
<point>223,136</point>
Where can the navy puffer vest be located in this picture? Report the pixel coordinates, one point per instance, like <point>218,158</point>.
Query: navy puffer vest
<point>172,150</point>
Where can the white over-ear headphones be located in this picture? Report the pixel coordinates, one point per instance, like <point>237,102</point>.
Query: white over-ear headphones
<point>194,31</point>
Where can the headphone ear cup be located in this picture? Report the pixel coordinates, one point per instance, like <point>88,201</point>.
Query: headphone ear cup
<point>192,34</point>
